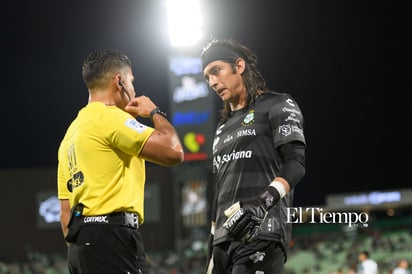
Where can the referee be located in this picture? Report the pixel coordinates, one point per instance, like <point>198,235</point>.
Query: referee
<point>258,158</point>
<point>101,168</point>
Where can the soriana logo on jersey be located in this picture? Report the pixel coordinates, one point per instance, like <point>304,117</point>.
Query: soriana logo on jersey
<point>194,144</point>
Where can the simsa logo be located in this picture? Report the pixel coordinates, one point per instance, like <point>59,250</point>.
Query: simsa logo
<point>317,215</point>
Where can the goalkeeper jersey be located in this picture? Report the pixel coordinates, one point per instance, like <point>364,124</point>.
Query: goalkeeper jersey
<point>246,160</point>
<point>99,165</point>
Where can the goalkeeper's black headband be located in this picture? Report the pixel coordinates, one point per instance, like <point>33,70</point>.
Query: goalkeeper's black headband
<point>215,53</point>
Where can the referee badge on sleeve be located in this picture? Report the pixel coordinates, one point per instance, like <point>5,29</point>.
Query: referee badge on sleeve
<point>135,125</point>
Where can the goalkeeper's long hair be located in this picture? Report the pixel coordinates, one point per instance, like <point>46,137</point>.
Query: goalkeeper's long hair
<point>254,82</point>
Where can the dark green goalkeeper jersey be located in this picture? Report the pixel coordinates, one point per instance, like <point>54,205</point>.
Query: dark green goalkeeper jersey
<point>246,159</point>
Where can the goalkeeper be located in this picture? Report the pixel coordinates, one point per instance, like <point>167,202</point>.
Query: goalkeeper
<point>258,157</point>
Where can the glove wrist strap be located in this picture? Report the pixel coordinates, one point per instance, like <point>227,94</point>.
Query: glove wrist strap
<point>272,194</point>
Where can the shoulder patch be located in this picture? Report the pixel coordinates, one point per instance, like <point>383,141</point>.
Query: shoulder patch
<point>135,125</point>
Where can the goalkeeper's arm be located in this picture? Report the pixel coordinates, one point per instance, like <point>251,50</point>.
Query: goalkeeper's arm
<point>245,217</point>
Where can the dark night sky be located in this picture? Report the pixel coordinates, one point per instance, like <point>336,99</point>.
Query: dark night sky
<point>346,63</point>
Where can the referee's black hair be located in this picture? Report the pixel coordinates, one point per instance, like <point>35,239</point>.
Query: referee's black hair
<point>100,64</point>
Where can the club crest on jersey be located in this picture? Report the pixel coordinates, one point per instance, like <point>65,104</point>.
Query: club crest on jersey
<point>249,118</point>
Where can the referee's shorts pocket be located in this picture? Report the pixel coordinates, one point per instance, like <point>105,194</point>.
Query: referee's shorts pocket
<point>90,235</point>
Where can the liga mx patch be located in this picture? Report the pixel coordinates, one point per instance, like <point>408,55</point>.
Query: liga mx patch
<point>135,125</point>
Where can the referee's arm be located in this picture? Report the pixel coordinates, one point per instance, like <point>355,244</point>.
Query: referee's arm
<point>64,215</point>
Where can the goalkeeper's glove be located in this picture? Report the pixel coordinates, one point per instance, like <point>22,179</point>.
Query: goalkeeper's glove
<point>246,217</point>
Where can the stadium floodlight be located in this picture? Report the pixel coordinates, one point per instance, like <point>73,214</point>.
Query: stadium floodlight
<point>185,22</point>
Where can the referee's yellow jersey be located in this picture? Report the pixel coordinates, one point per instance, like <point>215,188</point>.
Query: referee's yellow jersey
<point>99,164</point>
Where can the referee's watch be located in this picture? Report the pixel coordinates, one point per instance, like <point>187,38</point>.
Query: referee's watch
<point>157,111</point>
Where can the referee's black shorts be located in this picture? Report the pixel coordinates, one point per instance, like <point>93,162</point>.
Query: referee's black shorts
<point>103,248</point>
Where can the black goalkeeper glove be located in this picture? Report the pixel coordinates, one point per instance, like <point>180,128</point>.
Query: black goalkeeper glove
<point>246,217</point>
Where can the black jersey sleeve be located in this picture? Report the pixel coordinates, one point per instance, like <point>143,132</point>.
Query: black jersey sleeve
<point>292,166</point>
<point>286,121</point>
